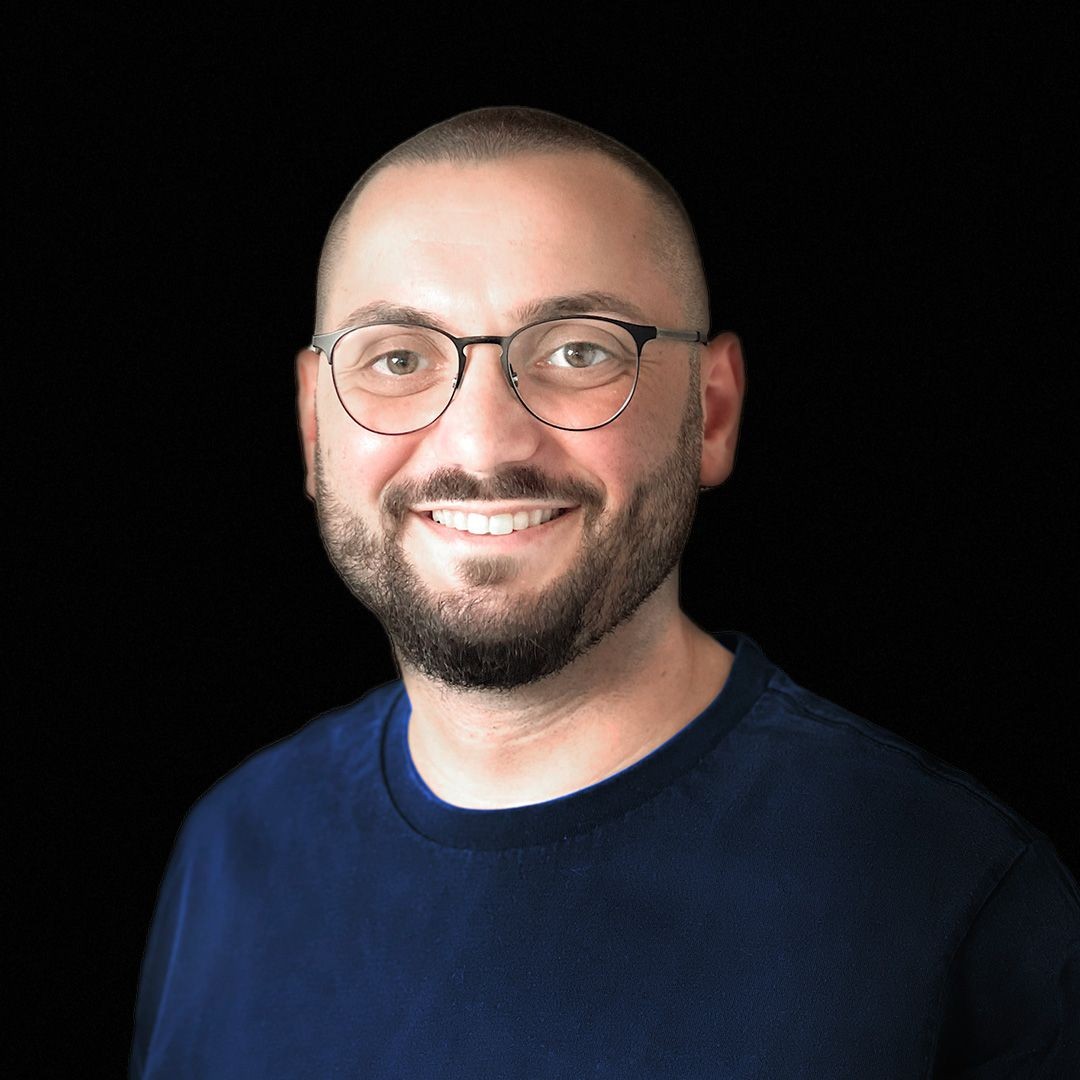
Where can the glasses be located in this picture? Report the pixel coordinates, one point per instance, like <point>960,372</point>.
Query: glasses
<point>576,373</point>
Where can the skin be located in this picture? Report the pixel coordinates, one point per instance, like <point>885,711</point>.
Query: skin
<point>474,244</point>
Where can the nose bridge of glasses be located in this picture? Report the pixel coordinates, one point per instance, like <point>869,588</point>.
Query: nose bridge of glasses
<point>466,344</point>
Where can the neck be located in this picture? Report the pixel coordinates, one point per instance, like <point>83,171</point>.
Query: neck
<point>629,694</point>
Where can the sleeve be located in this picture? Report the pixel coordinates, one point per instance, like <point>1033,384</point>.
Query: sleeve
<point>158,958</point>
<point>1011,1005</point>
<point>184,932</point>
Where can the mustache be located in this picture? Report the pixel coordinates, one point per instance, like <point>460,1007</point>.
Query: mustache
<point>521,482</point>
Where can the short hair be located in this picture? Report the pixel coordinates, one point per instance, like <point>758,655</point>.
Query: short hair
<point>494,133</point>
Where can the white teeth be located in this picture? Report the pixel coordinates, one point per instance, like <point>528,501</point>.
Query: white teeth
<point>496,525</point>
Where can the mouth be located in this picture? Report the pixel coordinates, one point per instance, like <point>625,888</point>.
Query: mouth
<point>501,522</point>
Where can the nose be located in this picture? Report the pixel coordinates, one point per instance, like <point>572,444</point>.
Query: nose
<point>485,426</point>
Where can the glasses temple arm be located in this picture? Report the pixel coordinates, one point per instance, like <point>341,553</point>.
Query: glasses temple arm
<point>683,335</point>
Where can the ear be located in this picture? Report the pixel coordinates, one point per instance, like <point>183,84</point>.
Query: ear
<point>723,385</point>
<point>307,380</point>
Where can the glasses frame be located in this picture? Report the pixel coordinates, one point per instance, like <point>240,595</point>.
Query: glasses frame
<point>642,335</point>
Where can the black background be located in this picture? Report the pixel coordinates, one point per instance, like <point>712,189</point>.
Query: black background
<point>883,207</point>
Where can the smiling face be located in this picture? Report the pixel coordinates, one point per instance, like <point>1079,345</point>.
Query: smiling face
<point>417,524</point>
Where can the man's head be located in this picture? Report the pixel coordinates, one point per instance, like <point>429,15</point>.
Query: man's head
<point>486,135</point>
<point>478,229</point>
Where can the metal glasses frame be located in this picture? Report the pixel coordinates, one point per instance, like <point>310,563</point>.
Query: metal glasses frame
<point>642,335</point>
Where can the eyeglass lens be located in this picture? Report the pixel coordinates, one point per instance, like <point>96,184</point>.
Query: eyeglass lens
<point>574,374</point>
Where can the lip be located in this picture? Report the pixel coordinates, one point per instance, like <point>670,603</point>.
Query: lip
<point>489,509</point>
<point>487,542</point>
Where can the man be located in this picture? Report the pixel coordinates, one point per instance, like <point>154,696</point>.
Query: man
<point>580,836</point>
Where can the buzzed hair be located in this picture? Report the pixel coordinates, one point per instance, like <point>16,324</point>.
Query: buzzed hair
<point>491,134</point>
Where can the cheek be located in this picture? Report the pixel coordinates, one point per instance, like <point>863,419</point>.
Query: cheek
<point>358,464</point>
<point>614,457</point>
<point>646,433</point>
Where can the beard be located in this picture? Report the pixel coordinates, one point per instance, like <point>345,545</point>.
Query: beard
<point>479,637</point>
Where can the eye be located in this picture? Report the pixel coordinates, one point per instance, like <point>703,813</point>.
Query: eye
<point>401,362</point>
<point>578,354</point>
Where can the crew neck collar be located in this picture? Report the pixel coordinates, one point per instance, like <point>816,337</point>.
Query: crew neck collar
<point>558,819</point>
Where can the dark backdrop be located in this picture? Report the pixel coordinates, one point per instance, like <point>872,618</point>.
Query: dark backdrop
<point>882,209</point>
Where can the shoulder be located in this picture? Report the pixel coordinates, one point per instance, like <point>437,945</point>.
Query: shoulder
<point>876,764</point>
<point>873,803</point>
<point>284,784</point>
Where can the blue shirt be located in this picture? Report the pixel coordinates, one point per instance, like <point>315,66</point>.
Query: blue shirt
<point>781,889</point>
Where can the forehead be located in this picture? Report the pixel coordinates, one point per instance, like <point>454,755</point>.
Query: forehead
<point>477,240</point>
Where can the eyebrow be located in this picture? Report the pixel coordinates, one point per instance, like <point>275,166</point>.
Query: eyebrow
<point>549,307</point>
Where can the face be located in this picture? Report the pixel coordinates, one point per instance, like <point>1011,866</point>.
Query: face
<point>480,249</point>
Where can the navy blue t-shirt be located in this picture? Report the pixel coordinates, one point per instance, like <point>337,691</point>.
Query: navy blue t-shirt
<point>779,890</point>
